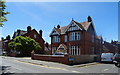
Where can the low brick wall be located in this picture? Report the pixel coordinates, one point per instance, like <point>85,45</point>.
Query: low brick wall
<point>60,59</point>
<point>12,54</point>
<point>81,59</point>
<point>66,59</point>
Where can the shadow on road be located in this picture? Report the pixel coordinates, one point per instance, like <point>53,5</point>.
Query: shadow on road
<point>4,70</point>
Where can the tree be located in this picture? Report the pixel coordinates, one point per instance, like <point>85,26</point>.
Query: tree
<point>24,45</point>
<point>3,13</point>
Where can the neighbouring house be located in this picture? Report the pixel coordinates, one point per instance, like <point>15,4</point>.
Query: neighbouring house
<point>0,47</point>
<point>110,47</point>
<point>5,42</point>
<point>32,33</point>
<point>47,48</point>
<point>76,39</point>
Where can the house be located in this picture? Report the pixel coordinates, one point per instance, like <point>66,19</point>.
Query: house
<point>110,47</point>
<point>76,39</point>
<point>5,42</point>
<point>32,33</point>
<point>0,47</point>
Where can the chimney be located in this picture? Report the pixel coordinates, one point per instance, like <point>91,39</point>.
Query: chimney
<point>18,31</point>
<point>28,28</point>
<point>8,37</point>
<point>89,19</point>
<point>58,26</point>
<point>40,32</point>
<point>2,38</point>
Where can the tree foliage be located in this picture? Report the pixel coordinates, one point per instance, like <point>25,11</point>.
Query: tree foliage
<point>24,44</point>
<point>3,13</point>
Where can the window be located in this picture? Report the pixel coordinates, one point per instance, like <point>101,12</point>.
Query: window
<point>74,50</point>
<point>35,36</point>
<point>56,39</point>
<point>74,36</point>
<point>65,38</point>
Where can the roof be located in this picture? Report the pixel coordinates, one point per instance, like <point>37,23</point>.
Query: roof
<point>82,25</point>
<point>99,37</point>
<point>85,25</point>
<point>24,33</point>
<point>32,31</point>
<point>63,29</point>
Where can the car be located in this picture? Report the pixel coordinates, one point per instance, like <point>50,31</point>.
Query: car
<point>116,59</point>
<point>58,54</point>
<point>107,57</point>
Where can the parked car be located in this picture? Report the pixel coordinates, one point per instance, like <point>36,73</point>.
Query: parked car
<point>106,57</point>
<point>116,59</point>
<point>58,54</point>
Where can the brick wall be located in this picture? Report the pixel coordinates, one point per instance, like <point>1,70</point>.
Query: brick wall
<point>59,59</point>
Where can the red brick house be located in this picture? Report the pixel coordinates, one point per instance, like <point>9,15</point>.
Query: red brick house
<point>110,47</point>
<point>76,39</point>
<point>32,33</point>
<point>5,44</point>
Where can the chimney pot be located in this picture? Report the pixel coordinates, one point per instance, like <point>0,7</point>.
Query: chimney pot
<point>58,26</point>
<point>28,28</point>
<point>40,32</point>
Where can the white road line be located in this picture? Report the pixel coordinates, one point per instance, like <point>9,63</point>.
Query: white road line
<point>75,71</point>
<point>106,69</point>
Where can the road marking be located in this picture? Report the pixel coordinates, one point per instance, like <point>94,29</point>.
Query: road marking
<point>45,66</point>
<point>87,65</point>
<point>106,69</point>
<point>75,71</point>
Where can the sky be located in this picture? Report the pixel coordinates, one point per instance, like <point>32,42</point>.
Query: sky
<point>46,15</point>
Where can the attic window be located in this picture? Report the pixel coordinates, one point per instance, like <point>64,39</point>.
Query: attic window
<point>35,36</point>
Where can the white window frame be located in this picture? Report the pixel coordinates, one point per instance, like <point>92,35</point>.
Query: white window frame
<point>74,50</point>
<point>35,36</point>
<point>56,39</point>
<point>74,36</point>
<point>65,38</point>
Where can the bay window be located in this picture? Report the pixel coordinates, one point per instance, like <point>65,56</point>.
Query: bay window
<point>65,38</point>
<point>56,39</point>
<point>74,36</point>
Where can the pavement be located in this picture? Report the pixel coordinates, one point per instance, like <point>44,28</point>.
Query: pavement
<point>50,64</point>
<point>27,65</point>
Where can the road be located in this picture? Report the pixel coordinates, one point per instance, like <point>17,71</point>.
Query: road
<point>15,66</point>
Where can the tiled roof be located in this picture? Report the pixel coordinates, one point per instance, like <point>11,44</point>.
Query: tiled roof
<point>63,29</point>
<point>58,30</point>
<point>79,24</point>
<point>85,25</point>
<point>99,37</point>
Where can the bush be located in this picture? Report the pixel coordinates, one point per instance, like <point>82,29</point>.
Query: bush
<point>24,45</point>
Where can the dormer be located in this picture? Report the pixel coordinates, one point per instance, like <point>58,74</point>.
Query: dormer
<point>73,26</point>
<point>55,31</point>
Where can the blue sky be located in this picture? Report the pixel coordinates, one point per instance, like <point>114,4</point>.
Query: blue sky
<point>46,15</point>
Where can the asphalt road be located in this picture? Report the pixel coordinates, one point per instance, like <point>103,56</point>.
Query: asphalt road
<point>14,66</point>
<point>97,68</point>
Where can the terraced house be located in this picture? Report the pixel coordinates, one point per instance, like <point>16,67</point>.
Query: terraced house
<point>76,39</point>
